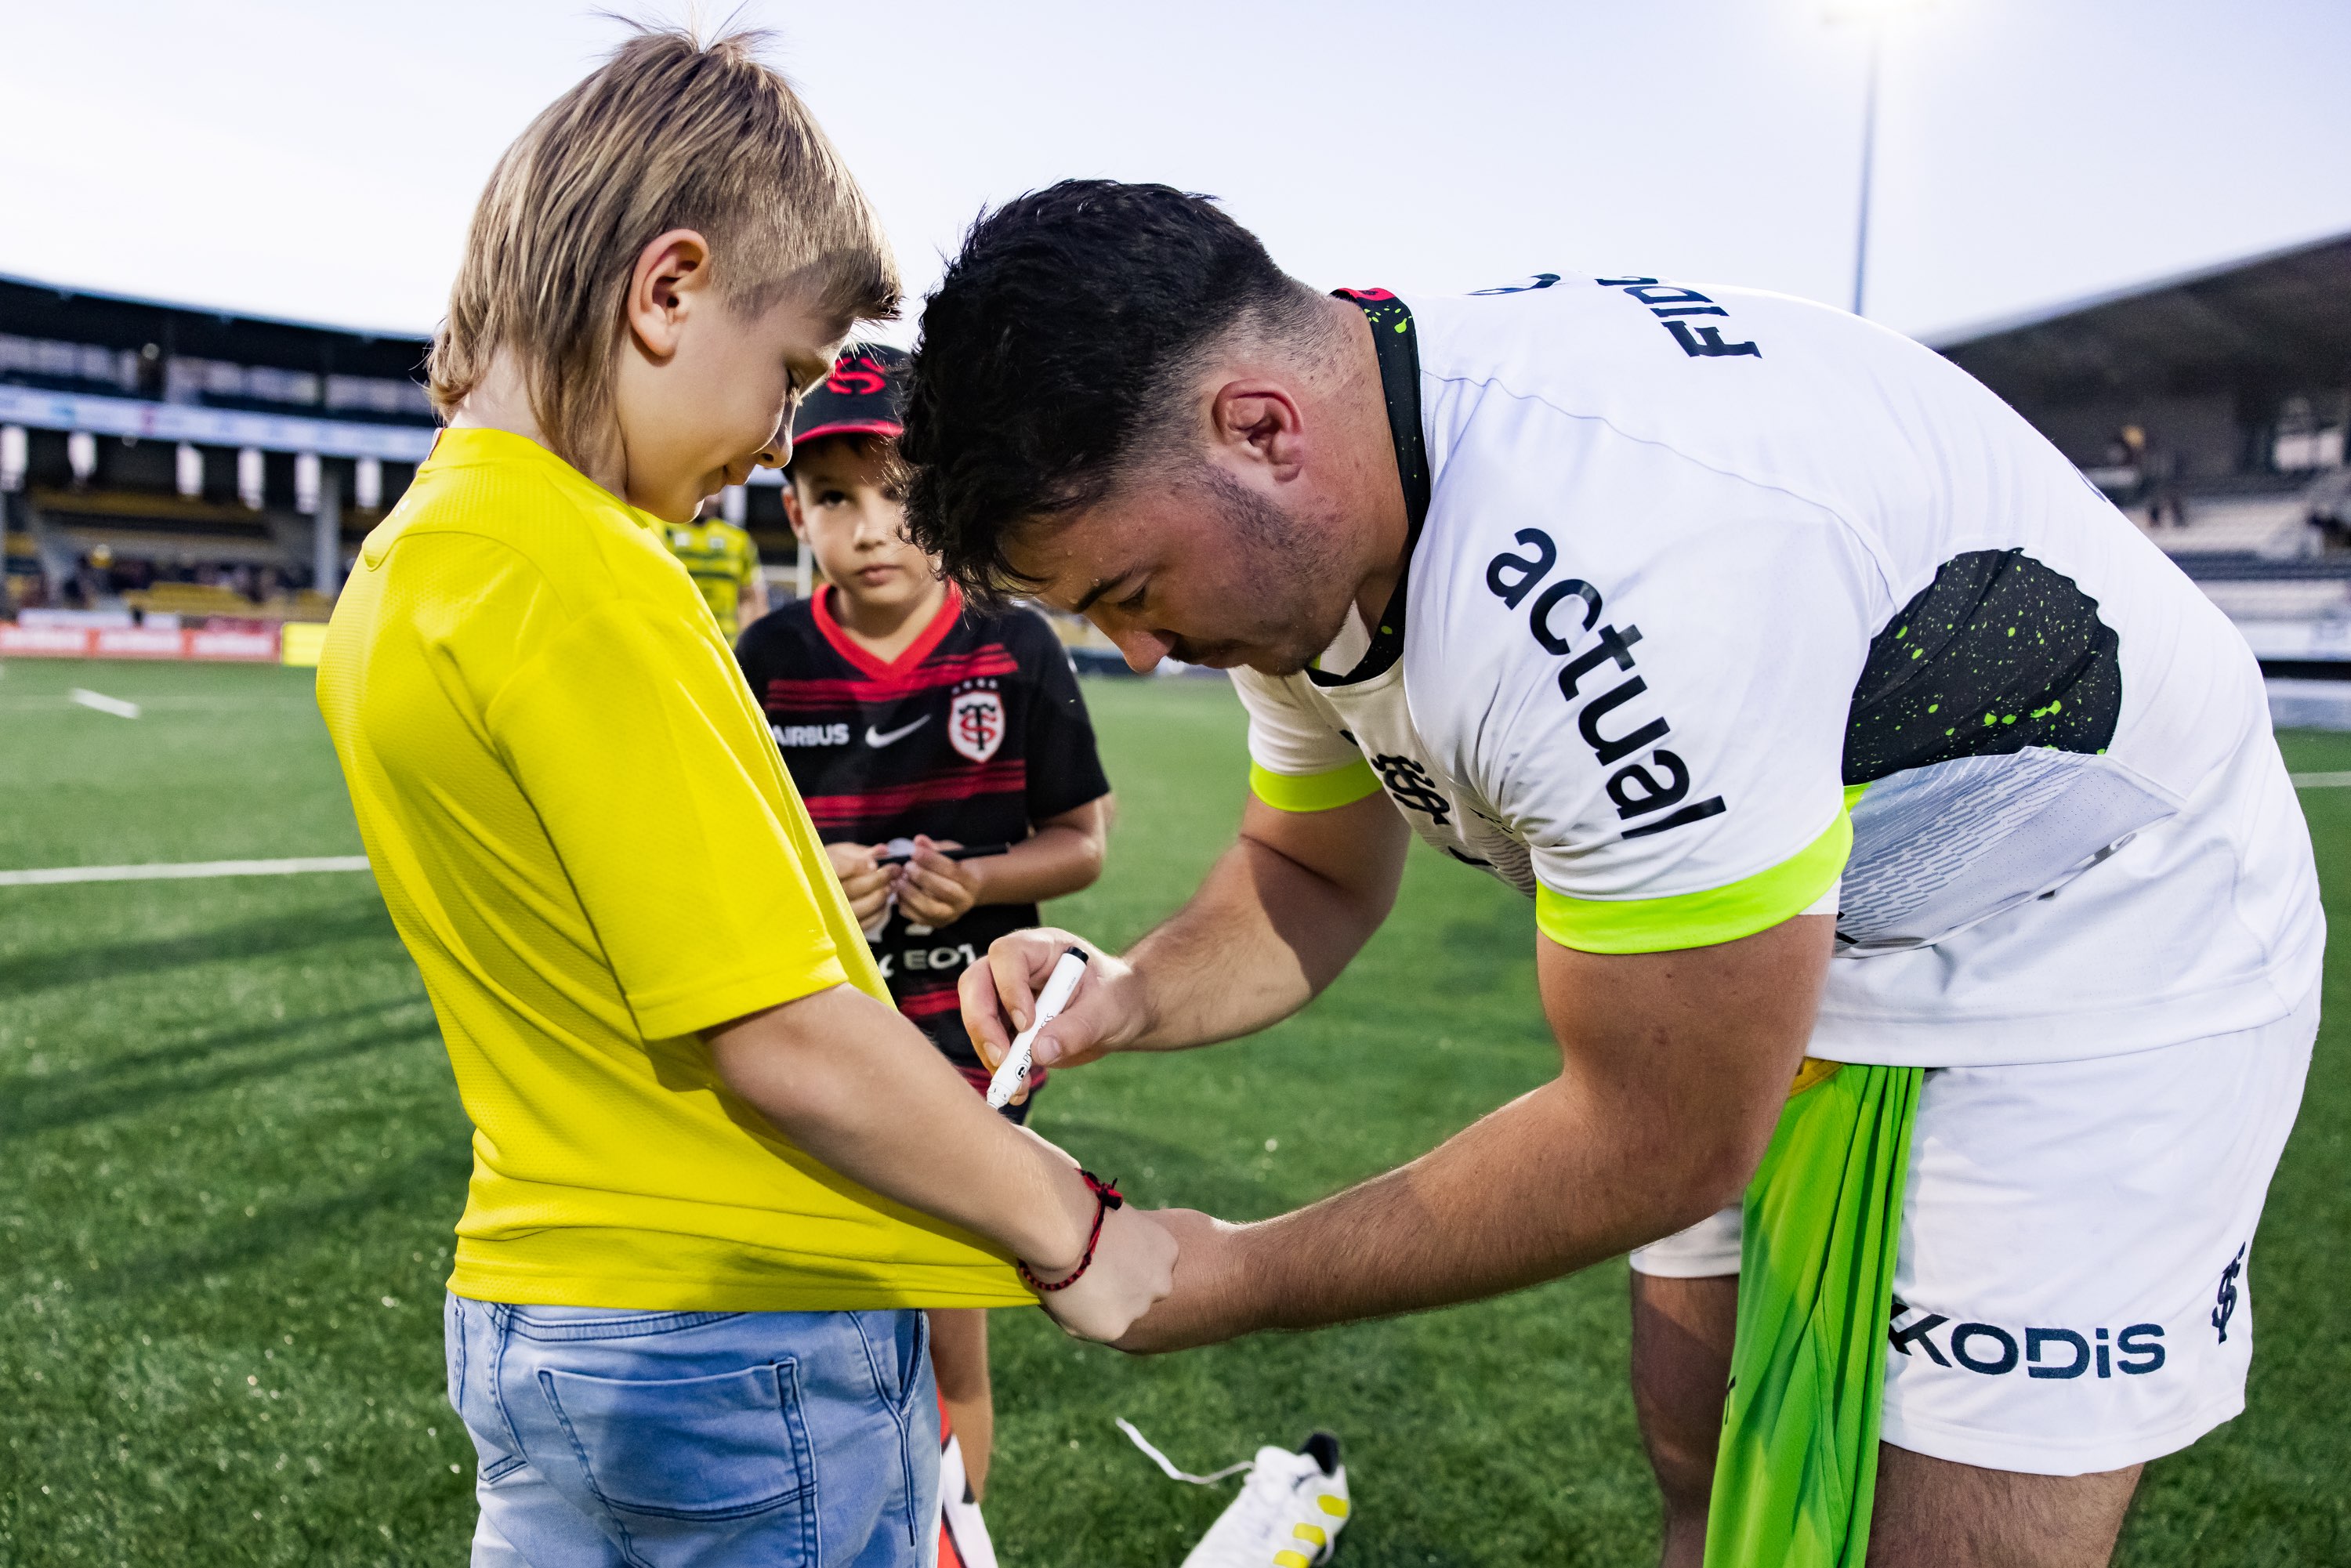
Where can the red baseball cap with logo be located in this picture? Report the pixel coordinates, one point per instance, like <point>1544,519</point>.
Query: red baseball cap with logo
<point>865,395</point>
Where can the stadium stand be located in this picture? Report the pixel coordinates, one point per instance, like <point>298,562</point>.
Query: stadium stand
<point>172,464</point>
<point>163,460</point>
<point>2213,408</point>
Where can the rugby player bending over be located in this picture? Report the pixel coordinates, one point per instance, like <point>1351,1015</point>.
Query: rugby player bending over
<point>1907,846</point>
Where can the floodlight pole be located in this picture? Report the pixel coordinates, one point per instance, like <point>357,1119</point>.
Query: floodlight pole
<point>1868,159</point>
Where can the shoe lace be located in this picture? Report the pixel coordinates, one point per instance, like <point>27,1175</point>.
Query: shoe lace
<point>1264,1509</point>
<point>1168,1465</point>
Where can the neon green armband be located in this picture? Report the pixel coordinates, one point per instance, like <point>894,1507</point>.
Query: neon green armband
<point>1750,904</point>
<point>1314,792</point>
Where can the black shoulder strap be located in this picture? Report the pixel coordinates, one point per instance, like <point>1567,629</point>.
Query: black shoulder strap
<point>1396,344</point>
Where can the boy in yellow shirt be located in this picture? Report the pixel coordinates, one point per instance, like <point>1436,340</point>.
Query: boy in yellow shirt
<point>716,1174</point>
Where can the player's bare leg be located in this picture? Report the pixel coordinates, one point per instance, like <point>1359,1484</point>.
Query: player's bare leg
<point>1933,1513</point>
<point>1682,1331</point>
<point>959,1360</point>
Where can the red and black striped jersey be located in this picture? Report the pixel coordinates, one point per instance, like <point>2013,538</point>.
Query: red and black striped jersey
<point>976,733</point>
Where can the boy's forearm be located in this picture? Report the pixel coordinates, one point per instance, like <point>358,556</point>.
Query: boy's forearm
<point>1053,863</point>
<point>852,1083</point>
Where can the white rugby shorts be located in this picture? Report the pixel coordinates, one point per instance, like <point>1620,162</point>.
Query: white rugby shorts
<point>2073,1291</point>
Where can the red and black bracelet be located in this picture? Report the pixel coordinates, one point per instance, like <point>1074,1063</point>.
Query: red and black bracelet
<point>1106,1197</point>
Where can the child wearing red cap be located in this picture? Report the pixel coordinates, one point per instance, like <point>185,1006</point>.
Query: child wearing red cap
<point>915,728</point>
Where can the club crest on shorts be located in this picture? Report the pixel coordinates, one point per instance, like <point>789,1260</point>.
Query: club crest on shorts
<point>976,722</point>
<point>2224,1300</point>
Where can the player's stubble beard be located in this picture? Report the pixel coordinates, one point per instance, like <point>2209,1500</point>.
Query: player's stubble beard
<point>1290,570</point>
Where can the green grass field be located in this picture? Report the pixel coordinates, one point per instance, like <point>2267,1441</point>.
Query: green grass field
<point>231,1155</point>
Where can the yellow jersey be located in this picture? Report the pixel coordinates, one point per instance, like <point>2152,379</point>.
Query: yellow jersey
<point>723,561</point>
<point>588,844</point>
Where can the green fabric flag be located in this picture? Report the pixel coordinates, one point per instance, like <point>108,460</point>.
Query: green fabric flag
<point>1797,1470</point>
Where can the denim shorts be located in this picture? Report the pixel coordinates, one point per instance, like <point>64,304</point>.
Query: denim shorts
<point>609,1437</point>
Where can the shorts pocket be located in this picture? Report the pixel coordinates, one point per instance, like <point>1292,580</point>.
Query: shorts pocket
<point>684,1460</point>
<point>907,1357</point>
<point>476,1409</point>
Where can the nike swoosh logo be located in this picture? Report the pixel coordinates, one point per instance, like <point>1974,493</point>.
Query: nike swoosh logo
<point>878,739</point>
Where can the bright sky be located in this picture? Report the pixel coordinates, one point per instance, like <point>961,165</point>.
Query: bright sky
<point>319,161</point>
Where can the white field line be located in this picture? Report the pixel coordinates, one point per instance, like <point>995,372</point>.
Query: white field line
<point>173,704</point>
<point>103,703</point>
<point>182,870</point>
<point>173,872</point>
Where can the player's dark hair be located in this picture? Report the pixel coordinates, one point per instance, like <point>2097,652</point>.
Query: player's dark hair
<point>1053,354</point>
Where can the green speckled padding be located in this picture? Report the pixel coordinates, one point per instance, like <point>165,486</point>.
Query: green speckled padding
<point>1999,653</point>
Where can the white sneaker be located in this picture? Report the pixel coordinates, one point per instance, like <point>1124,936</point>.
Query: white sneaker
<point>1288,1514</point>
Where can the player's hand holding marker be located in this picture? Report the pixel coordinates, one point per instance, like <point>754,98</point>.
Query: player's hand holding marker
<point>1011,1075</point>
<point>1104,1012</point>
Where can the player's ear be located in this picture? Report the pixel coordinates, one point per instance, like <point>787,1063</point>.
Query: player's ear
<point>1257,420</point>
<point>792,508</point>
<point>667,284</point>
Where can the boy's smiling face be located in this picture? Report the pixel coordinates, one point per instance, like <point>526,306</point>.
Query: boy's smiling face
<point>703,391</point>
<point>848,508</point>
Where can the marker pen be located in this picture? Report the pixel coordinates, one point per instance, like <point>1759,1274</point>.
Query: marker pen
<point>968,852</point>
<point>1012,1076</point>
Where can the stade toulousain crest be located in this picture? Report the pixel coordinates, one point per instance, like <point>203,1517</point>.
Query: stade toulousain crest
<point>976,722</point>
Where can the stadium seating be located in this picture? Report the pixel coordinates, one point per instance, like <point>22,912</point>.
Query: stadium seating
<point>2267,527</point>
<point>196,601</point>
<point>2280,600</point>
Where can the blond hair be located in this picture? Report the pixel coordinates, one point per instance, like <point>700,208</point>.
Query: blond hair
<point>669,134</point>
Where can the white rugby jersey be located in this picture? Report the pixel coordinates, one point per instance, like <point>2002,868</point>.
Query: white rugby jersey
<point>1723,607</point>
